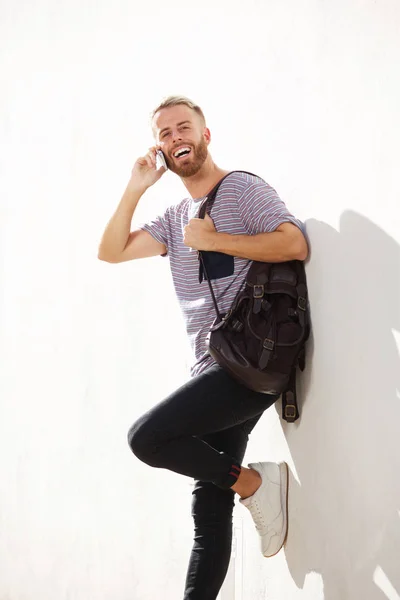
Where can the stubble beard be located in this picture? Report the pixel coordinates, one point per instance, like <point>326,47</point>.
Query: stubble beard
<point>194,164</point>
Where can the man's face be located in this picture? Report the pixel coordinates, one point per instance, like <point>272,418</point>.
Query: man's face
<point>181,127</point>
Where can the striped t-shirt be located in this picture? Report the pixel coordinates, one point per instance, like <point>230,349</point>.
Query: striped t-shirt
<point>244,204</point>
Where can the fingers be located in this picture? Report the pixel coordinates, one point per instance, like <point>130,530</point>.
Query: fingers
<point>152,154</point>
<point>150,159</point>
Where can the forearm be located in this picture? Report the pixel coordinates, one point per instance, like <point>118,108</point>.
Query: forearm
<point>116,234</point>
<point>264,247</point>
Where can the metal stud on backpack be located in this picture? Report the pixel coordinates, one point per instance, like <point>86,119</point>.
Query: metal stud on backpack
<point>261,340</point>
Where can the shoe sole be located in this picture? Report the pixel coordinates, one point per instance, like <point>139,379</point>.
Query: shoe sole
<point>284,473</point>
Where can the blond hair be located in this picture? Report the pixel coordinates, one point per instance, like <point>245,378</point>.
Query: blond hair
<point>176,101</point>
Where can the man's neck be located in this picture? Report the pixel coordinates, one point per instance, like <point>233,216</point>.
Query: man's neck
<point>203,182</point>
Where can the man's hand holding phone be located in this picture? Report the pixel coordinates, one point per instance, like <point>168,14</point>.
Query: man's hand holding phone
<point>148,169</point>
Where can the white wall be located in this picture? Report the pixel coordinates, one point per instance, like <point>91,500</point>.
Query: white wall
<point>304,93</point>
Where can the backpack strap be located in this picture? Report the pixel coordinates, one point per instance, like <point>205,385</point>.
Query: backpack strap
<point>204,270</point>
<point>290,410</point>
<point>209,199</point>
<point>302,296</point>
<point>207,203</point>
<point>206,206</point>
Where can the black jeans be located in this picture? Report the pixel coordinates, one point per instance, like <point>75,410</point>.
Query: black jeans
<point>201,430</point>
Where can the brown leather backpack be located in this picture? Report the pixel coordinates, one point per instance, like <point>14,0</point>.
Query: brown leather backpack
<point>260,341</point>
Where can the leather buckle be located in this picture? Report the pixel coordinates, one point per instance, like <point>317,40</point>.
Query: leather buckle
<point>290,411</point>
<point>268,344</point>
<point>258,291</point>
<point>302,303</point>
<point>237,325</point>
<point>228,314</point>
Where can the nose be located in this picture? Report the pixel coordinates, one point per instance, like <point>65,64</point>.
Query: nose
<point>176,135</point>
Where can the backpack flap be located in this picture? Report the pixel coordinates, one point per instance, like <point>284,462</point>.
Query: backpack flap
<point>256,280</point>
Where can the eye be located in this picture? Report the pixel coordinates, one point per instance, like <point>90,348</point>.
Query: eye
<point>165,134</point>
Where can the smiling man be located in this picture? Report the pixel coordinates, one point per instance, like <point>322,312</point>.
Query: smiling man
<point>201,430</point>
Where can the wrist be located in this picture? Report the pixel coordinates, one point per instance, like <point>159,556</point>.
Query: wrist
<point>216,240</point>
<point>137,188</point>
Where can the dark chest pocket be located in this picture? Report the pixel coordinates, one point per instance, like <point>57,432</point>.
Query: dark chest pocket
<point>217,264</point>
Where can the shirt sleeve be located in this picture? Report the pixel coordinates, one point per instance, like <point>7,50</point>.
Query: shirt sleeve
<point>262,210</point>
<point>158,228</point>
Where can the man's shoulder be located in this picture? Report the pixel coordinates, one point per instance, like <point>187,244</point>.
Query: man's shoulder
<point>240,181</point>
<point>234,184</point>
<point>244,177</point>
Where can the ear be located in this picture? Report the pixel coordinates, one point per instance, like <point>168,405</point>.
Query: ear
<point>207,135</point>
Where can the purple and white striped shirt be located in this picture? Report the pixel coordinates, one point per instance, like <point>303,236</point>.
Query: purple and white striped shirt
<point>244,204</point>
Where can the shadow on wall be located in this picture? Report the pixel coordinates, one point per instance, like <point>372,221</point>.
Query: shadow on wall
<point>344,515</point>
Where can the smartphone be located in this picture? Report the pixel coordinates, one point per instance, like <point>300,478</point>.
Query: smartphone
<point>161,162</point>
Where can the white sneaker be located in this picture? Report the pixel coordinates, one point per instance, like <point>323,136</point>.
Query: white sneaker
<point>268,505</point>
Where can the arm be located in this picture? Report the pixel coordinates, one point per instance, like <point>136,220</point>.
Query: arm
<point>118,244</point>
<point>272,235</point>
<point>287,242</point>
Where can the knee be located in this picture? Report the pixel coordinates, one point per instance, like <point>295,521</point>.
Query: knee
<point>139,440</point>
<point>134,438</point>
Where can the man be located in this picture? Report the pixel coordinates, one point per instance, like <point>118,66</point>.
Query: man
<point>202,429</point>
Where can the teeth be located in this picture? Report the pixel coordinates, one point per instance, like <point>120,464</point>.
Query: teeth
<point>178,152</point>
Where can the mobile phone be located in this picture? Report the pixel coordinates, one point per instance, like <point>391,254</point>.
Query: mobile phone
<point>161,162</point>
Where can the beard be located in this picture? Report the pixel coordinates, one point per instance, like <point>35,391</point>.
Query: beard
<point>192,165</point>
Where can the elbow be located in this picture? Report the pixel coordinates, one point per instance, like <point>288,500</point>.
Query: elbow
<point>106,259</point>
<point>302,253</point>
<point>295,244</point>
<point>300,249</point>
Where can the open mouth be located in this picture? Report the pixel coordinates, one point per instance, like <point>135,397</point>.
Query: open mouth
<point>182,153</point>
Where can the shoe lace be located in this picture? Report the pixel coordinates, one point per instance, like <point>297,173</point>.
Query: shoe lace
<point>257,516</point>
